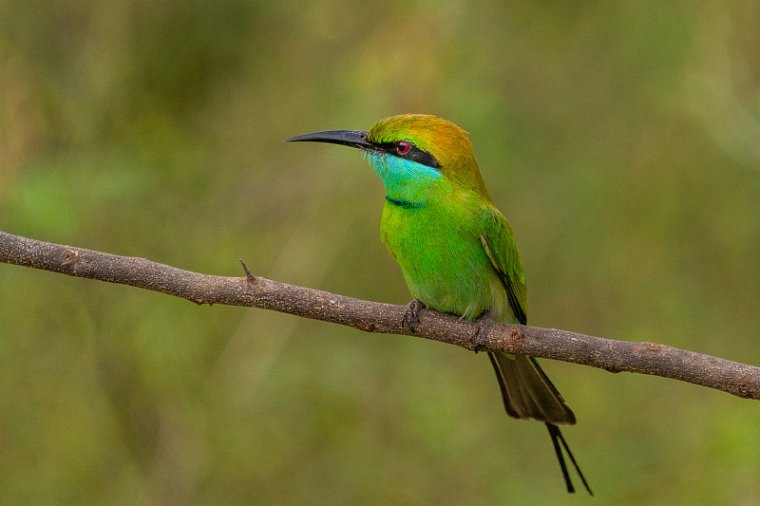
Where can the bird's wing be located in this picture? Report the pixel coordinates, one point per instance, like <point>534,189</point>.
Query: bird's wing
<point>500,246</point>
<point>526,390</point>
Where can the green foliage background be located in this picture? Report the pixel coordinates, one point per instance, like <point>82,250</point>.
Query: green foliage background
<point>622,140</point>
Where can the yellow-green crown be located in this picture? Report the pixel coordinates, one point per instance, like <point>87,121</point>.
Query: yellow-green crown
<point>449,144</point>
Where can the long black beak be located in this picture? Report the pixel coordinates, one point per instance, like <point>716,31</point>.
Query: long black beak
<point>353,138</point>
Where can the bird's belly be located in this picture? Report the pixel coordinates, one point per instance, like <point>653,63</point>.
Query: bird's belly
<point>463,293</point>
<point>446,268</point>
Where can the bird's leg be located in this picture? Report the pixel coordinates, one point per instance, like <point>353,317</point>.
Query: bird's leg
<point>478,338</point>
<point>412,315</point>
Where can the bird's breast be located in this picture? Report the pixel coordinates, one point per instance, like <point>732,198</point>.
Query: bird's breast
<point>442,259</point>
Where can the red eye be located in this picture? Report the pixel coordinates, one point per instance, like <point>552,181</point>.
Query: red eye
<point>403,148</point>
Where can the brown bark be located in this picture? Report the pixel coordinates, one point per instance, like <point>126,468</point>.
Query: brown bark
<point>255,291</point>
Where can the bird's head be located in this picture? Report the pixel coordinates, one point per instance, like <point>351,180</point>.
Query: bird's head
<point>417,156</point>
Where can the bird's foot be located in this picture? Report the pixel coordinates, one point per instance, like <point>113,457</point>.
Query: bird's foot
<point>482,329</point>
<point>412,315</point>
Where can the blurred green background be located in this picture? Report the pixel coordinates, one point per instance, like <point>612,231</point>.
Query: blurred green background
<point>622,140</point>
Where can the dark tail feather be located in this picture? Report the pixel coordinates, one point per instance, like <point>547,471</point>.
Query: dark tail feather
<point>529,394</point>
<point>558,440</point>
<point>527,391</point>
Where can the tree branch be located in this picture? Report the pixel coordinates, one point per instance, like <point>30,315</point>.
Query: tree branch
<point>255,291</point>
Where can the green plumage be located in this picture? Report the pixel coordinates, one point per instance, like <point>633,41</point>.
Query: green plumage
<point>456,251</point>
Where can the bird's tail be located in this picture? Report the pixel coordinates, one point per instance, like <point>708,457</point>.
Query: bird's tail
<point>529,394</point>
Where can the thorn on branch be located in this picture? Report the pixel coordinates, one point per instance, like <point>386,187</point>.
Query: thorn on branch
<point>248,276</point>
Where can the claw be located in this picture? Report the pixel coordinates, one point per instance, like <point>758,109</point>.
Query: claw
<point>478,338</point>
<point>412,315</point>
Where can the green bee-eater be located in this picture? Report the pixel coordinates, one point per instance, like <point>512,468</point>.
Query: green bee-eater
<point>456,250</point>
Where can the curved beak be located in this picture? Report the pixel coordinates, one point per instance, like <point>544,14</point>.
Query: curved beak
<point>352,138</point>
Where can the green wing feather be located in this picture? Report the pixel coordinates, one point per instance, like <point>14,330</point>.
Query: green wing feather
<point>526,390</point>
<point>501,248</point>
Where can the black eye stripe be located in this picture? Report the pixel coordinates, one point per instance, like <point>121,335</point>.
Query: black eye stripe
<point>415,154</point>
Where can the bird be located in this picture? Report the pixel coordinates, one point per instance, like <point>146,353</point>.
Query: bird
<point>456,250</point>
